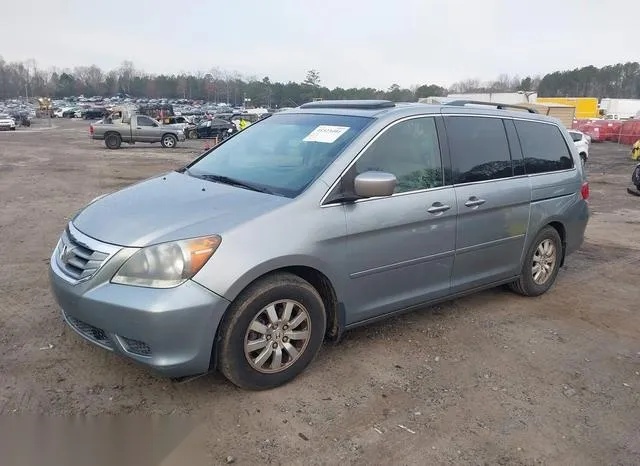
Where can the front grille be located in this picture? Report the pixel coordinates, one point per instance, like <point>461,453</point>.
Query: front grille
<point>136,346</point>
<point>91,332</point>
<point>76,259</point>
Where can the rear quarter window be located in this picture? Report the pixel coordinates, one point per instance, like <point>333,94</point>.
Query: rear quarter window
<point>543,146</point>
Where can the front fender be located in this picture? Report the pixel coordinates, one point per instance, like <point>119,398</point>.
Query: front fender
<point>233,289</point>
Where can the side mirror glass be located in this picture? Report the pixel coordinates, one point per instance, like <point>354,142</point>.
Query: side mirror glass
<point>375,184</point>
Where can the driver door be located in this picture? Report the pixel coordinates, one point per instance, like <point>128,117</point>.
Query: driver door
<point>146,129</point>
<point>400,249</point>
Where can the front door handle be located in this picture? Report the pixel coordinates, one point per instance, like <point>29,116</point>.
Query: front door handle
<point>438,208</point>
<point>474,202</point>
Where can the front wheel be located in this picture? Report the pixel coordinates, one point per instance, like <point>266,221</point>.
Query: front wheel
<point>541,264</point>
<point>169,141</point>
<point>272,332</point>
<point>193,134</point>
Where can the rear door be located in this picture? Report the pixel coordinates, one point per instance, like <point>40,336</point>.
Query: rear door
<point>400,248</point>
<point>493,200</point>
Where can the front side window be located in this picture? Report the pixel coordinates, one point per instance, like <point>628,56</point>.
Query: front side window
<point>282,154</point>
<point>543,146</point>
<point>145,121</point>
<point>479,149</point>
<point>410,151</point>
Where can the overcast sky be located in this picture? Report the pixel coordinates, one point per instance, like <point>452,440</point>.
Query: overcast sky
<point>350,42</point>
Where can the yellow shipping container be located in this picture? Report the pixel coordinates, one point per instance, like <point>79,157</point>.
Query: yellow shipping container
<point>586,107</point>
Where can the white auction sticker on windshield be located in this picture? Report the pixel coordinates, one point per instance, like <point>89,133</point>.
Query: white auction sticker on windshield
<point>326,133</point>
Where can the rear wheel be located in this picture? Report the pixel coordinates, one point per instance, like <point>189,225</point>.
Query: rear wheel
<point>272,332</point>
<point>112,141</point>
<point>541,264</point>
<point>169,141</point>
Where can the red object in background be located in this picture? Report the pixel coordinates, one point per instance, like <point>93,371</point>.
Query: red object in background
<point>630,132</point>
<point>91,130</point>
<point>599,130</point>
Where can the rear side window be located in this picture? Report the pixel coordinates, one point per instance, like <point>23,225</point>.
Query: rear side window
<point>575,136</point>
<point>479,149</point>
<point>543,146</point>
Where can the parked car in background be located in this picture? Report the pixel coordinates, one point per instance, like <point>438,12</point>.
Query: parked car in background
<point>132,129</point>
<point>180,122</point>
<point>213,128</point>
<point>7,122</point>
<point>582,142</point>
<point>315,221</point>
<point>95,113</point>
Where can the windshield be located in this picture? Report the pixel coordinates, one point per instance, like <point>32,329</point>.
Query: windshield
<point>282,154</point>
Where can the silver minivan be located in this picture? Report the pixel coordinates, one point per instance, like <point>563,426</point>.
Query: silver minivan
<point>316,220</point>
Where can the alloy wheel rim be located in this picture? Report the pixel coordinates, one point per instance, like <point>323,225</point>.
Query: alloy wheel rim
<point>544,261</point>
<point>168,142</point>
<point>277,336</point>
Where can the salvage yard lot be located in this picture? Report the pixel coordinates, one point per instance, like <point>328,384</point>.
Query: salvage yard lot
<point>492,378</point>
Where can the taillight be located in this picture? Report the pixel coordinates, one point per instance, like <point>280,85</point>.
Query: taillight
<point>585,190</point>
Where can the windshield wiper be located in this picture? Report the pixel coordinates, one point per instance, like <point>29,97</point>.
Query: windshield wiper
<point>234,182</point>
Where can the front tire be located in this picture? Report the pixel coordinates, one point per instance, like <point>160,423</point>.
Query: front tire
<point>169,141</point>
<point>272,332</point>
<point>541,264</point>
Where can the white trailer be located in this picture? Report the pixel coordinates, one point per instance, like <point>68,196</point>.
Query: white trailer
<point>620,109</point>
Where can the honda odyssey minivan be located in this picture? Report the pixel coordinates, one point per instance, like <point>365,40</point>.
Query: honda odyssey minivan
<point>316,220</point>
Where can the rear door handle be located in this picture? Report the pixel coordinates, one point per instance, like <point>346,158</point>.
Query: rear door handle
<point>438,208</point>
<point>474,202</point>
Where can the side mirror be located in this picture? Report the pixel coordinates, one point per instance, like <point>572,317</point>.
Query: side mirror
<point>375,184</point>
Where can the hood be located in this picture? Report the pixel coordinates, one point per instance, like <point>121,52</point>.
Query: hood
<point>171,207</point>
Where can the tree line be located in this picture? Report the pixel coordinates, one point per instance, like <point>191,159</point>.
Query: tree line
<point>18,79</point>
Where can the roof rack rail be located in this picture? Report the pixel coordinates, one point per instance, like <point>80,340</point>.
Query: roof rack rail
<point>353,104</point>
<point>462,103</point>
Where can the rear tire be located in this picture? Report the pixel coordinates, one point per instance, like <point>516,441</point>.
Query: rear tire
<point>113,141</point>
<point>169,141</point>
<point>271,332</point>
<point>541,264</point>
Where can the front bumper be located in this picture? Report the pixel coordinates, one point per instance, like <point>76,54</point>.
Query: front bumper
<point>169,330</point>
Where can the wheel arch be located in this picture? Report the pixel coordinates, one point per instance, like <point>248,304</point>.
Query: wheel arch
<point>314,276</point>
<point>562,231</point>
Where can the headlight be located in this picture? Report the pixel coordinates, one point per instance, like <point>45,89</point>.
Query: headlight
<point>167,265</point>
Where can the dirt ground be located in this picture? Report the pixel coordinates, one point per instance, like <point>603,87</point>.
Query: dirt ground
<point>490,379</point>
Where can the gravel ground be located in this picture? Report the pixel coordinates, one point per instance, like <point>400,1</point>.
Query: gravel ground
<point>489,379</point>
